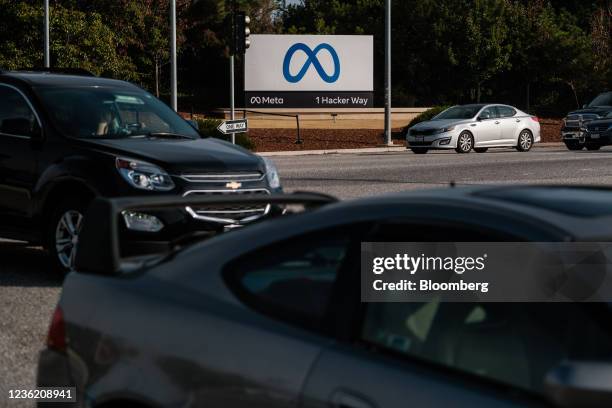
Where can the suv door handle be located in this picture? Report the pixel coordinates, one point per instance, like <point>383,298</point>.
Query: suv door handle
<point>345,399</point>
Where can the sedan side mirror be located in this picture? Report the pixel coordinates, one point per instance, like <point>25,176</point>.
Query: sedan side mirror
<point>580,384</point>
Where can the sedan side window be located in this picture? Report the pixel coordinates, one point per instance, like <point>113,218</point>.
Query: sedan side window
<point>16,116</point>
<point>488,113</point>
<point>505,111</point>
<point>292,280</point>
<point>515,344</point>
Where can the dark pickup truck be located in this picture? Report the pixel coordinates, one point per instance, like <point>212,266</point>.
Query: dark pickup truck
<point>575,133</point>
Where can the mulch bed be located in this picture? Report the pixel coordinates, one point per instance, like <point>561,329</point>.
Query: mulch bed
<point>268,140</point>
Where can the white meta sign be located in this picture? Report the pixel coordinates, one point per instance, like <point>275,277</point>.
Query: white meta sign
<point>233,126</point>
<point>310,63</point>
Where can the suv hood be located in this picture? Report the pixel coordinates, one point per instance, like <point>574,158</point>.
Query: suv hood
<point>182,155</point>
<point>597,111</point>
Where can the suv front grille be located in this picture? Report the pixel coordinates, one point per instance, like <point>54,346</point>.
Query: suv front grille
<point>222,178</point>
<point>228,214</point>
<point>576,121</point>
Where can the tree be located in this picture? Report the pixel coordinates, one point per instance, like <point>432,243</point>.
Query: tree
<point>79,40</point>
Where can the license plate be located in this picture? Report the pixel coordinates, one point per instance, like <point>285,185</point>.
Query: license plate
<point>594,135</point>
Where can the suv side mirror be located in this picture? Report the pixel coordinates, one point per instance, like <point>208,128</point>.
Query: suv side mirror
<point>580,384</point>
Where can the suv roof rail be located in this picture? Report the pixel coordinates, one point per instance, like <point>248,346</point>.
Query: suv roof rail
<point>99,242</point>
<point>67,71</point>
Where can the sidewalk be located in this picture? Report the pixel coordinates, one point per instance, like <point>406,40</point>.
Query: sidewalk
<point>368,150</point>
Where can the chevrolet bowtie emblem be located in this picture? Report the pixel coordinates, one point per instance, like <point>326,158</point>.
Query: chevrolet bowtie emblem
<point>234,185</point>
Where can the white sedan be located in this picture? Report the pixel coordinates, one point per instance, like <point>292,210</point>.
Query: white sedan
<point>476,126</point>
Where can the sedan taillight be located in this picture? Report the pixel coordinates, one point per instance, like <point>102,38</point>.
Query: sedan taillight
<point>535,118</point>
<point>56,338</point>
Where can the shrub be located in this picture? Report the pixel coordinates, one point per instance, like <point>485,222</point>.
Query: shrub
<point>208,128</point>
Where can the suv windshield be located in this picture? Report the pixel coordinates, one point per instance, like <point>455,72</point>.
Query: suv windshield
<point>605,99</point>
<point>93,112</point>
<point>459,112</point>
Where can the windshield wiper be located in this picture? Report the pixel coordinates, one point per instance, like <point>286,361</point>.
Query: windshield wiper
<point>168,135</point>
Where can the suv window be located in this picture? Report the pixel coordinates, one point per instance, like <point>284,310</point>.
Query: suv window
<point>91,112</point>
<point>488,113</point>
<point>506,111</point>
<point>292,280</point>
<point>16,116</point>
<point>516,344</point>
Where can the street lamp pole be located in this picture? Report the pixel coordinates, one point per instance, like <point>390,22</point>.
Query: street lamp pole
<point>232,69</point>
<point>46,51</point>
<point>173,79</point>
<point>388,140</point>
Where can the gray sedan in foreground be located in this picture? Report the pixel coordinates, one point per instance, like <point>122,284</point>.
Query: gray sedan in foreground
<point>270,315</point>
<point>478,127</point>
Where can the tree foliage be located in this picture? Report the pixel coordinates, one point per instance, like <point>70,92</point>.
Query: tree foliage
<point>546,55</point>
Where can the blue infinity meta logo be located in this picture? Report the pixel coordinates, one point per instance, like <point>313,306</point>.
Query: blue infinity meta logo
<point>312,60</point>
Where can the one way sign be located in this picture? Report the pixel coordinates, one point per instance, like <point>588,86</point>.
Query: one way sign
<point>234,126</point>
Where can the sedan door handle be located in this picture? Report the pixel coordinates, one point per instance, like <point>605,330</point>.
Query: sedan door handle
<point>518,120</point>
<point>344,399</point>
<point>497,122</point>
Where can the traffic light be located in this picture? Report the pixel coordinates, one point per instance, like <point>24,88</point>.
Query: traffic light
<point>241,33</point>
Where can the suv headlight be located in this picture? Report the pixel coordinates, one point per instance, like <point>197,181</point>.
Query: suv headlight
<point>143,175</point>
<point>271,173</point>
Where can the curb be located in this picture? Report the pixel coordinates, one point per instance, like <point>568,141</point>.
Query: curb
<point>366,150</point>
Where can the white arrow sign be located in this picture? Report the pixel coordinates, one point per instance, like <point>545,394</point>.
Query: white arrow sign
<point>234,126</point>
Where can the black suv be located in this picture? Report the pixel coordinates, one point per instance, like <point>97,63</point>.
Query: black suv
<point>67,138</point>
<point>575,134</point>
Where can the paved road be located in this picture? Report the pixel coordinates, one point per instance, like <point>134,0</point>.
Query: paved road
<point>349,176</point>
<point>28,294</point>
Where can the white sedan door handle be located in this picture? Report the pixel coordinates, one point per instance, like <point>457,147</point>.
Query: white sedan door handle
<point>497,122</point>
<point>518,120</point>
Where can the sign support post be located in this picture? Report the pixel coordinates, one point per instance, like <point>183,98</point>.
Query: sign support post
<point>388,140</point>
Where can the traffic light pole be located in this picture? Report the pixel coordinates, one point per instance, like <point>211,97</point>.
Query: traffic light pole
<point>173,70</point>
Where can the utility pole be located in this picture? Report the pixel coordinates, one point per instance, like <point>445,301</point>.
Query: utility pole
<point>173,79</point>
<point>46,51</point>
<point>232,62</point>
<point>388,140</point>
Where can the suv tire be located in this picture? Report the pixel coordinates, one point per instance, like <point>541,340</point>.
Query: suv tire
<point>574,145</point>
<point>593,146</point>
<point>62,233</point>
